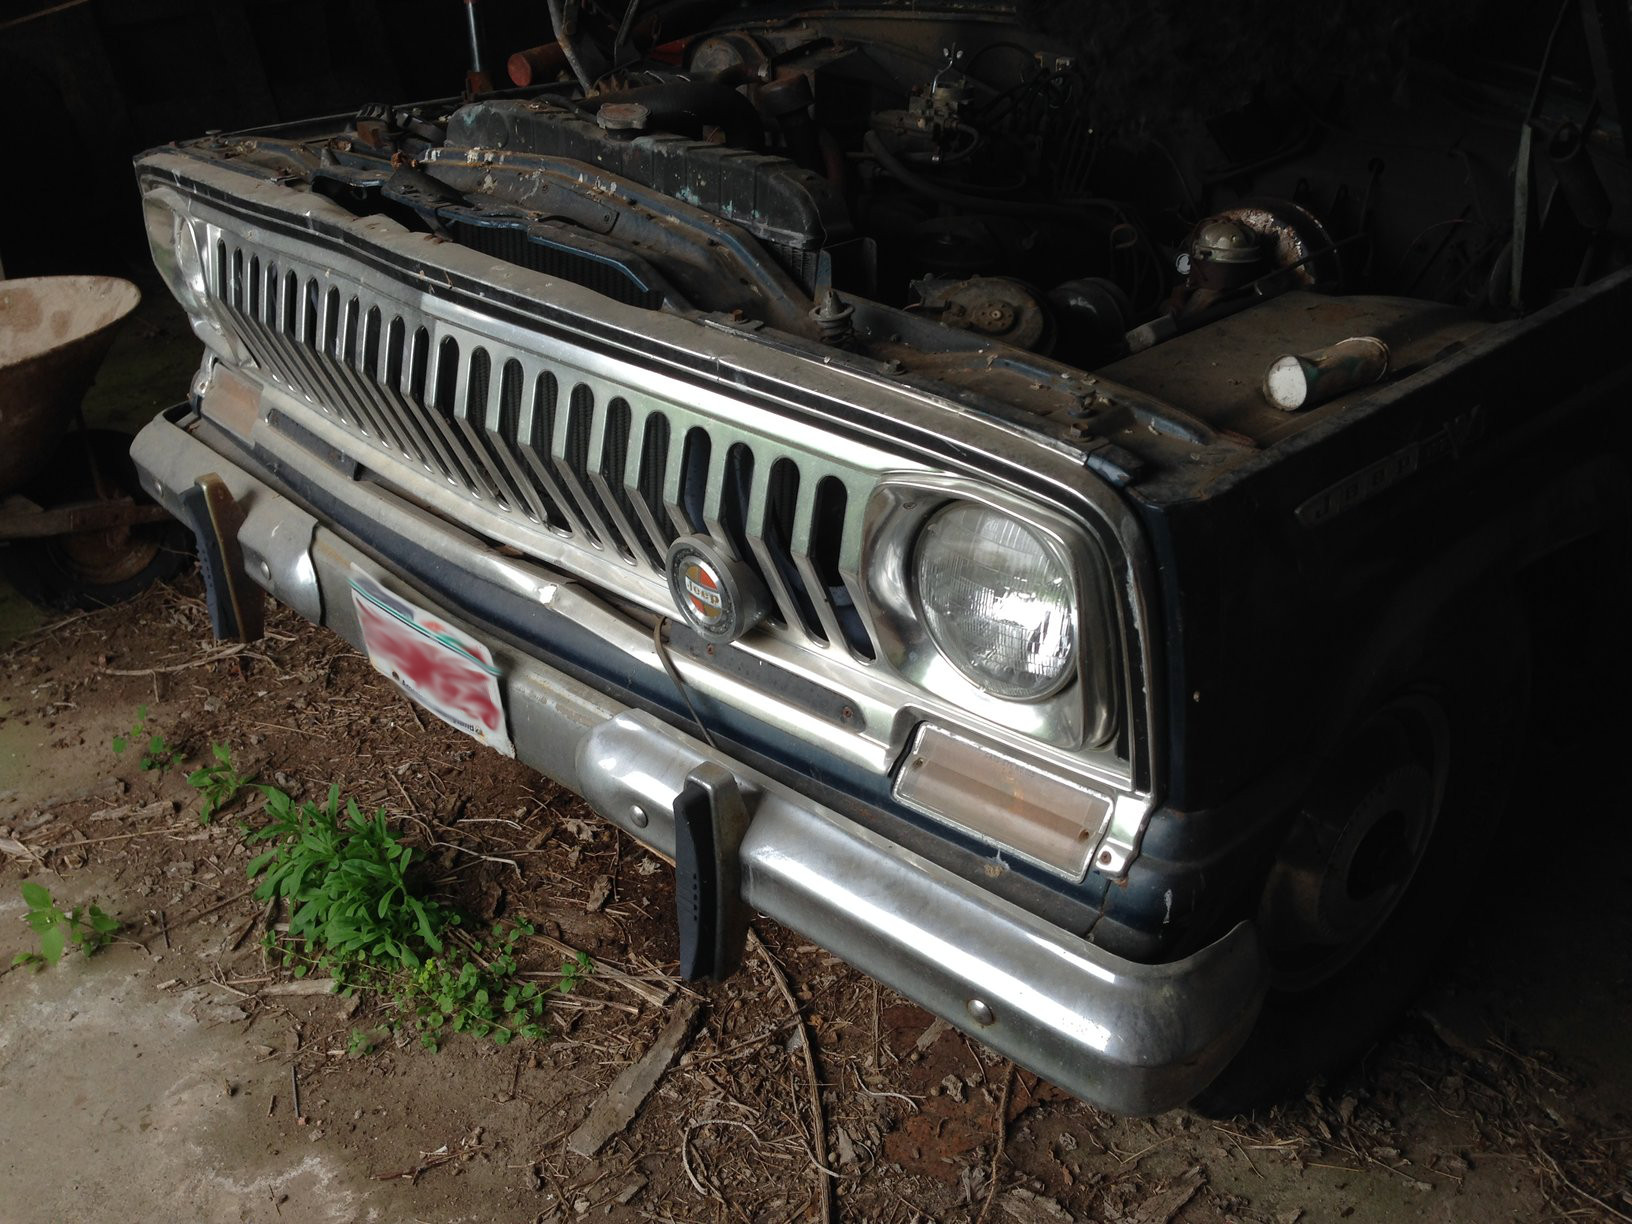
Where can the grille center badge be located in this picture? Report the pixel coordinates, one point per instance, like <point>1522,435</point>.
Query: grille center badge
<point>718,595</point>
<point>702,590</point>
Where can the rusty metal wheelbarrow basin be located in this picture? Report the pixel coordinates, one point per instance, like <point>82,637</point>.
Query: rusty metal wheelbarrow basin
<point>54,333</point>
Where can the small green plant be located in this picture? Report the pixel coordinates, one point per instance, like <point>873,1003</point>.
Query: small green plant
<point>345,880</point>
<point>573,972</point>
<point>86,927</point>
<point>157,754</point>
<point>219,783</point>
<point>356,913</point>
<point>487,1000</point>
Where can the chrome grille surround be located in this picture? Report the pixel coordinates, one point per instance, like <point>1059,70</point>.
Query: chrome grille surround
<point>579,457</point>
<point>597,475</point>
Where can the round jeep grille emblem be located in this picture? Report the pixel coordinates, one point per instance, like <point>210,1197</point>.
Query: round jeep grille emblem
<point>719,596</point>
<point>704,598</point>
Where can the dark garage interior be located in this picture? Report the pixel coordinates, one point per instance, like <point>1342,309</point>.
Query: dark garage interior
<point>897,611</point>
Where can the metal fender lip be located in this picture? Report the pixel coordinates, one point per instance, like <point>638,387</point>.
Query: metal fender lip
<point>1127,1037</point>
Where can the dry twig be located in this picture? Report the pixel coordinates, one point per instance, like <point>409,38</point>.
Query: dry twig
<point>214,656</point>
<point>606,973</point>
<point>1002,1140</point>
<point>92,841</point>
<point>818,1124</point>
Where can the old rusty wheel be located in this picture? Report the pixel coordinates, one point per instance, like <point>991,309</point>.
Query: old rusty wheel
<point>94,568</point>
<point>1378,862</point>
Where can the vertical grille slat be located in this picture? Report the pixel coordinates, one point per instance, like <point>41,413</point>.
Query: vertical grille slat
<point>358,392</point>
<point>325,326</point>
<point>301,358</point>
<point>420,377</point>
<point>367,367</point>
<point>685,480</point>
<point>288,361</point>
<point>253,342</point>
<point>728,508</point>
<point>443,377</point>
<point>362,353</point>
<point>762,542</point>
<point>499,425</point>
<point>269,306</point>
<point>570,443</point>
<point>534,431</point>
<point>608,454</point>
<point>806,547</point>
<point>283,366</point>
<point>290,302</point>
<point>304,348</point>
<point>389,373</point>
<point>331,323</point>
<point>470,414</point>
<point>411,397</point>
<point>643,481</point>
<point>311,313</point>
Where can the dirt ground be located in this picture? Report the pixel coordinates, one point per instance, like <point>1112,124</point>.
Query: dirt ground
<point>157,1079</point>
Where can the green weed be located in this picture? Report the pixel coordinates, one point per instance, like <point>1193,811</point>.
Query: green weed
<point>461,994</point>
<point>574,971</point>
<point>356,913</point>
<point>344,877</point>
<point>219,783</point>
<point>86,927</point>
<point>157,754</point>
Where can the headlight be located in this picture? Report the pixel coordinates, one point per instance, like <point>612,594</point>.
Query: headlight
<point>998,600</point>
<point>175,254</point>
<point>174,244</point>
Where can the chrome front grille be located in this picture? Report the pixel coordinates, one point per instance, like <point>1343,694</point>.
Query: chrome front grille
<point>587,466</point>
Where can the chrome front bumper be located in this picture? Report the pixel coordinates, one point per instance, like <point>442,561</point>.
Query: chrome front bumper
<point>1131,1038</point>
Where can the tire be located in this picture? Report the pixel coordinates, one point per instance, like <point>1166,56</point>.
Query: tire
<point>1450,732</point>
<point>95,568</point>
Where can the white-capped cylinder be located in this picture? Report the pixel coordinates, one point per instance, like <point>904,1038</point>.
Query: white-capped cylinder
<point>1304,380</point>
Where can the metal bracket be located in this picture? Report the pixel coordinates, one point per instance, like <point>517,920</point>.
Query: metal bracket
<point>1120,845</point>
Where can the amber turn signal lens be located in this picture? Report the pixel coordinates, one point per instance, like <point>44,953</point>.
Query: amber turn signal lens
<point>1040,815</point>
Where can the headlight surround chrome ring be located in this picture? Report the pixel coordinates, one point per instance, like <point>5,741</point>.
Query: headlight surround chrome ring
<point>179,247</point>
<point>1082,709</point>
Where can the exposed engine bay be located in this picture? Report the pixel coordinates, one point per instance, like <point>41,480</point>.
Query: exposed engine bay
<point>900,182</point>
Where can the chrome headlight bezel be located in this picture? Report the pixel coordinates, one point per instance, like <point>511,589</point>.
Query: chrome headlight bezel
<point>174,248</point>
<point>179,250</point>
<point>1080,711</point>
